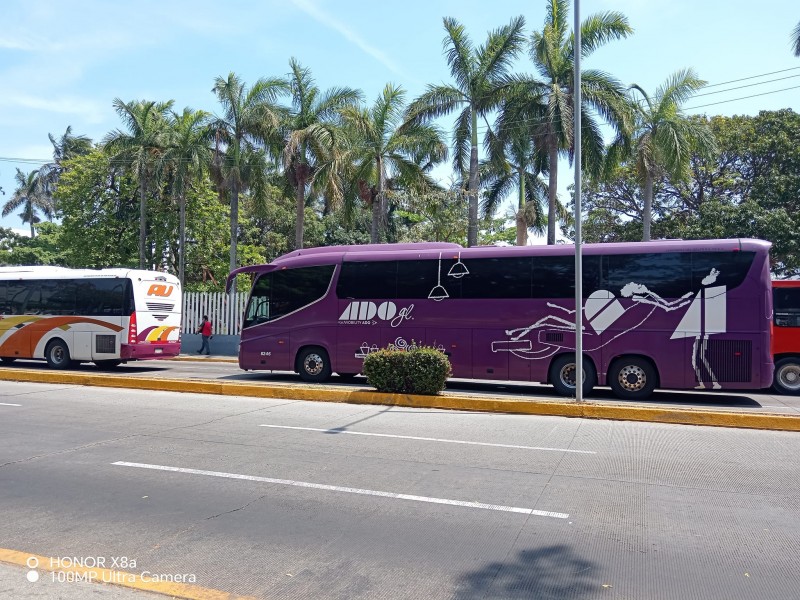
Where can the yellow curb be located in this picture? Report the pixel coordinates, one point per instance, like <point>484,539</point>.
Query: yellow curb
<point>114,577</point>
<point>321,393</point>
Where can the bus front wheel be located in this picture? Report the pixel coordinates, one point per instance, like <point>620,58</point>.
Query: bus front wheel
<point>314,365</point>
<point>787,376</point>
<point>57,355</point>
<point>562,375</point>
<point>632,378</point>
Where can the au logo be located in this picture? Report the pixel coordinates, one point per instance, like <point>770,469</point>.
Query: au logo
<point>159,289</point>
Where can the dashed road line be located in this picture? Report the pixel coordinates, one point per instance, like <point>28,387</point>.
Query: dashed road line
<point>348,490</point>
<point>428,439</point>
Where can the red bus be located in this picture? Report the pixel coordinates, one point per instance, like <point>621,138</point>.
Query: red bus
<point>786,336</point>
<point>667,314</point>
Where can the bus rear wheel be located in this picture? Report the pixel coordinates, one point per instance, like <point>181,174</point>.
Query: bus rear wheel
<point>314,365</point>
<point>562,375</point>
<point>632,378</point>
<point>787,376</point>
<point>57,355</point>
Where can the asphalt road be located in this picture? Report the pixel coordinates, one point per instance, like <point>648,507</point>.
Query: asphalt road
<point>292,499</point>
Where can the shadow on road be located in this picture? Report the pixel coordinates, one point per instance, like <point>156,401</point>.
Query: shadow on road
<point>552,572</point>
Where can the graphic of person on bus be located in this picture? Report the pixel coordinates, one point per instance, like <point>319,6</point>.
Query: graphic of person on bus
<point>205,330</point>
<point>706,316</point>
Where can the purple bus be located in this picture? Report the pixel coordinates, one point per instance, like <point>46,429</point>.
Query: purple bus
<point>667,314</point>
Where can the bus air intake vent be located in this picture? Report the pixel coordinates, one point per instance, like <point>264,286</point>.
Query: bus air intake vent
<point>160,317</point>
<point>729,360</point>
<point>105,344</point>
<point>554,337</point>
<point>162,306</point>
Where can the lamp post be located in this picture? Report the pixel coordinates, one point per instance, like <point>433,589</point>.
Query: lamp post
<point>576,112</point>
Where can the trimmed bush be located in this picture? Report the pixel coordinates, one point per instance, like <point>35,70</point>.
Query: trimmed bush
<point>414,370</point>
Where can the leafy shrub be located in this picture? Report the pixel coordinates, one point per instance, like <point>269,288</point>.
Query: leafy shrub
<point>413,370</point>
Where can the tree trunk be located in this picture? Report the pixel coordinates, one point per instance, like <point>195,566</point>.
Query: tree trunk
<point>522,228</point>
<point>234,229</point>
<point>300,197</point>
<point>648,207</point>
<point>552,192</point>
<point>182,241</point>
<point>142,219</point>
<point>378,205</point>
<point>472,189</point>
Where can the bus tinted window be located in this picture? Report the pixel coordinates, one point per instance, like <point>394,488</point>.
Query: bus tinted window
<point>497,278</point>
<point>666,274</point>
<point>786,304</point>
<point>281,292</point>
<point>732,267</point>
<point>554,276</point>
<point>416,279</point>
<point>361,280</point>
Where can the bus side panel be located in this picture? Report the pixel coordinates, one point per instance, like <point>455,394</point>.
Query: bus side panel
<point>265,352</point>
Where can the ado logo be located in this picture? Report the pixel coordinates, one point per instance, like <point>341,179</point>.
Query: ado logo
<point>386,311</point>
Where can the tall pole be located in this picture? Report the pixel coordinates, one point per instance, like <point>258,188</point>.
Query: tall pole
<point>576,110</point>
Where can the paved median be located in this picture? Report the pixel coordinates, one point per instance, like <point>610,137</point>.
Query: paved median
<point>447,400</point>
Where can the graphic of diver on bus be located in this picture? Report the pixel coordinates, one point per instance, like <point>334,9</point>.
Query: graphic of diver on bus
<point>706,315</point>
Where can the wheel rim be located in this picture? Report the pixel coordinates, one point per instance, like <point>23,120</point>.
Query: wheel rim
<point>789,377</point>
<point>567,375</point>
<point>632,378</point>
<point>57,354</point>
<point>313,364</point>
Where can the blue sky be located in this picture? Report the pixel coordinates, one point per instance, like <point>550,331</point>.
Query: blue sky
<point>63,63</point>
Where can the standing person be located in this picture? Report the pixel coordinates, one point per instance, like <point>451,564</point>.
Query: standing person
<point>205,331</point>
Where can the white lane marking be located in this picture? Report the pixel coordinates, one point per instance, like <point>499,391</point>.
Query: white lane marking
<point>7,404</point>
<point>349,490</point>
<point>427,439</point>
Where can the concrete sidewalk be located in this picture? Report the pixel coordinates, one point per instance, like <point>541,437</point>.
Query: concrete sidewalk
<point>448,400</point>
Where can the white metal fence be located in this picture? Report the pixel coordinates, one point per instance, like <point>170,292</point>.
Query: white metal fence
<point>225,319</point>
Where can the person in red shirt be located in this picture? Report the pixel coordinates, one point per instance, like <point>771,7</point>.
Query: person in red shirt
<point>205,331</point>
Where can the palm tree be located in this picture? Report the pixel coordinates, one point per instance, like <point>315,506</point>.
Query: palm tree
<point>796,40</point>
<point>67,147</point>
<point>514,163</point>
<point>187,156</point>
<point>664,137</point>
<point>31,196</point>
<point>553,54</point>
<point>141,148</point>
<point>313,141</point>
<point>389,151</point>
<point>250,116</point>
<point>481,80</point>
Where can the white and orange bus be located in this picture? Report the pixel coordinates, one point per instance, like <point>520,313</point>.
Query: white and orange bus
<point>106,316</point>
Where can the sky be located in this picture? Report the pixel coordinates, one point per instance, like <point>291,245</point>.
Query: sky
<point>63,63</point>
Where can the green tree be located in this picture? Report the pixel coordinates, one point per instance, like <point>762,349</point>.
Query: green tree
<point>188,157</point>
<point>388,152</point>
<point>313,140</point>
<point>249,117</point>
<point>664,138</point>
<point>141,149</point>
<point>98,200</point>
<point>481,77</point>
<point>31,195</point>
<point>553,54</point>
